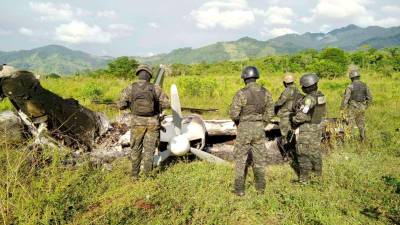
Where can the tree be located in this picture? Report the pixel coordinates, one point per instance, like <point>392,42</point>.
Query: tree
<point>123,67</point>
<point>336,55</point>
<point>327,69</point>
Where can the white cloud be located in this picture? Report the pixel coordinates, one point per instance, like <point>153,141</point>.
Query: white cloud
<point>325,28</point>
<point>307,20</point>
<point>154,25</point>
<point>80,32</point>
<point>372,21</point>
<point>150,54</point>
<point>53,12</point>
<point>25,31</point>
<point>276,32</point>
<point>120,30</point>
<point>340,8</point>
<point>340,12</point>
<point>279,15</point>
<point>229,14</point>
<point>391,9</point>
<point>107,14</point>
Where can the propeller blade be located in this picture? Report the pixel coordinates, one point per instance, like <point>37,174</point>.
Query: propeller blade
<point>161,157</point>
<point>176,110</point>
<point>207,156</point>
<point>159,80</point>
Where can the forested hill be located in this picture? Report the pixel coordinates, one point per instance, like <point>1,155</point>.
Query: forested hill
<point>53,59</point>
<point>350,37</point>
<point>61,60</point>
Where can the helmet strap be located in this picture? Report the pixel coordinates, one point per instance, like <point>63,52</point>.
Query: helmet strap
<point>250,80</point>
<point>144,75</point>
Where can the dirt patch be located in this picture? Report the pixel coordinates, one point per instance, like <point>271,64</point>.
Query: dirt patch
<point>145,206</point>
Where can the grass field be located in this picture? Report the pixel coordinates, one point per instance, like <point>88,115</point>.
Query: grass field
<point>361,182</point>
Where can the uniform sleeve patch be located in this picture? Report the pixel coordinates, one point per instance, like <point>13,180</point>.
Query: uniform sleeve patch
<point>321,100</point>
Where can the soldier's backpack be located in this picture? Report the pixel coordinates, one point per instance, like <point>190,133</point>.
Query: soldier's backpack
<point>255,101</point>
<point>143,99</point>
<point>359,92</point>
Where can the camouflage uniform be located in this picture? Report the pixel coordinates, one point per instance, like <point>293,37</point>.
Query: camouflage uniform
<point>308,141</point>
<point>284,107</point>
<point>250,140</point>
<point>145,130</point>
<point>75,122</point>
<point>356,100</point>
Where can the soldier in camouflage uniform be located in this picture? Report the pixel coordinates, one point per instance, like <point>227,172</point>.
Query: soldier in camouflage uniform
<point>308,120</point>
<point>146,101</point>
<point>251,109</point>
<point>356,100</point>
<point>284,106</point>
<point>66,117</point>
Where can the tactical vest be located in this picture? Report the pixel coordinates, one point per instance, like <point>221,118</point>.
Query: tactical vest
<point>294,96</point>
<point>255,101</point>
<point>143,99</point>
<point>319,110</point>
<point>359,92</point>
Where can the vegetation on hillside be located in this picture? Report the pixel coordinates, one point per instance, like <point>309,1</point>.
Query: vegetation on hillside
<point>349,38</point>
<point>360,184</point>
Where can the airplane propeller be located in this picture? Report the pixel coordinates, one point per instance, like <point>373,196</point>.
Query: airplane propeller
<point>184,131</point>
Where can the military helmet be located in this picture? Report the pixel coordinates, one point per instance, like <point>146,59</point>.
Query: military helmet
<point>250,72</point>
<point>288,78</point>
<point>309,79</point>
<point>146,68</point>
<point>354,73</point>
<point>6,70</point>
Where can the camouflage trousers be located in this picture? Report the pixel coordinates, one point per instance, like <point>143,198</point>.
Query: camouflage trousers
<point>356,117</point>
<point>308,158</point>
<point>144,141</point>
<point>284,125</point>
<point>250,150</point>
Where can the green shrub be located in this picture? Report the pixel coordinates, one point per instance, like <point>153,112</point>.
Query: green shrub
<point>327,69</point>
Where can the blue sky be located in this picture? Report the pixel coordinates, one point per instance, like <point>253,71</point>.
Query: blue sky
<point>137,27</point>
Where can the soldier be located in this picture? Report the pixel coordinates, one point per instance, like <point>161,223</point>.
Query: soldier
<point>356,100</point>
<point>146,101</point>
<point>251,110</point>
<point>284,106</point>
<point>65,117</point>
<point>308,120</point>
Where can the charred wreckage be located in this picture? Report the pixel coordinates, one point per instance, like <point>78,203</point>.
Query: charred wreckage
<point>52,121</point>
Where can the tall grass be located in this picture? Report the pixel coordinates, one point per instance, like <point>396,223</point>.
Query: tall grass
<point>359,182</point>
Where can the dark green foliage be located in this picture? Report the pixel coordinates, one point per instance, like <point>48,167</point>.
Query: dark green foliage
<point>122,67</point>
<point>327,69</point>
<point>329,63</point>
<point>392,181</point>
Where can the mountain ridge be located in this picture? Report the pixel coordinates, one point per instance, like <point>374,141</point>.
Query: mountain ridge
<point>62,60</point>
<point>53,59</point>
<point>349,38</point>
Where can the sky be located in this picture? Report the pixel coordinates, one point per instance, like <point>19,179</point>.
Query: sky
<point>148,27</point>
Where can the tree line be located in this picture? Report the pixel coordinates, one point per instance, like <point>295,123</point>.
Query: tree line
<point>327,63</point>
